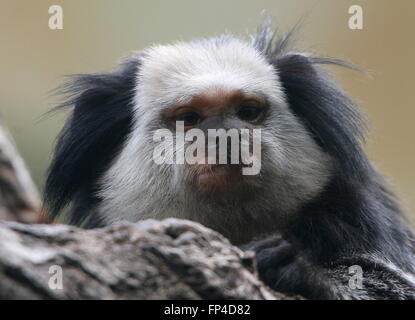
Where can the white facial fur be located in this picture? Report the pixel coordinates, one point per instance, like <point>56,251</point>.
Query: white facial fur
<point>294,169</point>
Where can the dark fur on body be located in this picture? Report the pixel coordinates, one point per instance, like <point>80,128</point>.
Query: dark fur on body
<point>354,221</point>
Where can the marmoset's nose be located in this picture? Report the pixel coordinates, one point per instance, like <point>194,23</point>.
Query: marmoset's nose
<point>213,122</point>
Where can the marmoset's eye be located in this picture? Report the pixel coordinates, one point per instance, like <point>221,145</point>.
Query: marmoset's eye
<point>249,113</point>
<point>189,118</point>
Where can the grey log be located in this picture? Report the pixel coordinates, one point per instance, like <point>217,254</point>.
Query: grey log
<point>169,259</point>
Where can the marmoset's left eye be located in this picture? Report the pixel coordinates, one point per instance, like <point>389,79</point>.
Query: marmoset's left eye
<point>249,113</point>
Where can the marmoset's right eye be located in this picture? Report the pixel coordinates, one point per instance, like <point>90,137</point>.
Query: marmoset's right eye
<point>189,118</point>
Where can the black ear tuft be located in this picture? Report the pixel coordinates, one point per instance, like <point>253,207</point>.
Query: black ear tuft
<point>326,110</point>
<point>93,134</point>
<point>328,113</point>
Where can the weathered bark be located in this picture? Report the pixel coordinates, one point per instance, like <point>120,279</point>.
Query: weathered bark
<point>19,199</point>
<point>170,259</point>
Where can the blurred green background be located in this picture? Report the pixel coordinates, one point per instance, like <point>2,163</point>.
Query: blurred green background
<point>98,33</point>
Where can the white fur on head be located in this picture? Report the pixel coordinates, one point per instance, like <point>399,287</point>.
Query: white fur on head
<point>294,169</point>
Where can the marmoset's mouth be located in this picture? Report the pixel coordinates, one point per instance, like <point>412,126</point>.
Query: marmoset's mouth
<point>216,176</point>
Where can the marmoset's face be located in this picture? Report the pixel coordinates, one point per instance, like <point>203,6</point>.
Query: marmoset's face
<point>220,99</point>
<point>216,148</point>
<point>223,97</point>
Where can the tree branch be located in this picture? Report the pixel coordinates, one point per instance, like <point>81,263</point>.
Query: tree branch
<point>19,199</point>
<point>169,259</point>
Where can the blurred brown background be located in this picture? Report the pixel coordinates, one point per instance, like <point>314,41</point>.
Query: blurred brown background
<point>98,33</point>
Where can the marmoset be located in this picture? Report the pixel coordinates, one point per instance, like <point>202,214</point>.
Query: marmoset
<point>317,206</point>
